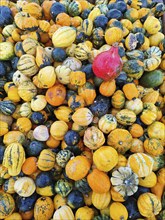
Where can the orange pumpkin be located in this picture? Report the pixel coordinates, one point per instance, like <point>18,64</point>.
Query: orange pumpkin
<point>77,168</point>
<point>107,88</point>
<point>136,130</point>
<point>99,181</point>
<point>29,166</point>
<point>56,94</point>
<point>63,19</point>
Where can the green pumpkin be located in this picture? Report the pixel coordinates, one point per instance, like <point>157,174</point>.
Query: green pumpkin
<point>82,51</point>
<point>102,217</point>
<point>134,68</point>
<point>74,8</point>
<point>159,162</point>
<point>152,79</point>
<point>63,157</point>
<point>6,51</point>
<point>83,186</point>
<point>7,107</point>
<point>126,117</point>
<point>75,199</point>
<point>63,187</point>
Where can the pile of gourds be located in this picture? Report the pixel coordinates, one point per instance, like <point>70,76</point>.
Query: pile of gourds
<point>75,146</point>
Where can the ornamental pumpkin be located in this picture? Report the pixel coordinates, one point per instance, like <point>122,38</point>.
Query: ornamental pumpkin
<point>82,51</point>
<point>107,88</point>
<point>23,124</point>
<point>63,74</point>
<point>63,187</point>
<point>19,78</point>
<point>82,116</point>
<point>136,130</point>
<point>152,25</point>
<point>47,76</point>
<point>25,22</point>
<point>59,201</point>
<point>40,133</point>
<point>33,9</point>
<point>87,91</point>
<point>14,157</point>
<point>137,146</point>
<point>7,205</point>
<point>153,146</point>
<point>24,186</point>
<point>130,91</point>
<point>29,166</point>
<point>4,128</point>
<point>77,78</point>
<point>84,213</point>
<point>161,175</point>
<point>113,34</point>
<point>75,102</point>
<point>46,160</point>
<point>101,200</point>
<point>141,164</point>
<point>98,181</point>
<point>118,99</point>
<point>73,63</point>
<point>148,181</point>
<point>126,117</point>
<point>63,157</point>
<point>64,36</point>
<point>43,208</point>
<point>151,97</point>
<point>27,65</point>
<point>56,95</point>
<point>107,123</point>
<point>93,138</point>
<point>156,130</point>
<point>77,168</point>
<point>122,142</point>
<point>13,136</point>
<point>27,91</point>
<point>58,129</point>
<point>14,215</point>
<point>38,103</point>
<point>116,196</point>
<point>149,205</point>
<point>29,46</point>
<point>118,211</point>
<point>63,212</point>
<point>42,57</point>
<point>105,158</point>
<point>135,105</point>
<point>125,181</point>
<point>63,113</point>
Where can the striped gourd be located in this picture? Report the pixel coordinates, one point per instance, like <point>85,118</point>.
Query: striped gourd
<point>126,117</point>
<point>141,164</point>
<point>82,51</point>
<point>63,187</point>
<point>46,160</point>
<point>27,91</point>
<point>101,200</point>
<point>27,65</point>
<point>74,8</point>
<point>14,157</point>
<point>29,46</point>
<point>7,205</point>
<point>87,26</point>
<point>64,37</point>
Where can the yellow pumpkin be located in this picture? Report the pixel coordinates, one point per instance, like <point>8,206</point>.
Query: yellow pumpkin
<point>58,129</point>
<point>43,208</point>
<point>161,176</point>
<point>46,160</point>
<point>153,146</point>
<point>156,130</point>
<point>38,103</point>
<point>101,200</point>
<point>63,113</point>
<point>24,124</point>
<point>84,213</point>
<point>152,25</point>
<point>59,201</point>
<point>15,216</point>
<point>4,128</point>
<point>149,205</point>
<point>27,90</point>
<point>116,196</point>
<point>105,158</point>
<point>141,164</point>
<point>148,181</point>
<point>118,211</point>
<point>82,116</point>
<point>47,76</point>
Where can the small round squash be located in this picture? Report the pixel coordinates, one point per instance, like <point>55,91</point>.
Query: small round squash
<point>77,168</point>
<point>58,129</point>
<point>59,201</point>
<point>149,205</point>
<point>24,186</point>
<point>47,76</point>
<point>105,158</point>
<point>7,205</point>
<point>29,166</point>
<point>43,208</point>
<point>118,211</point>
<point>153,146</point>
<point>148,181</point>
<point>84,213</point>
<point>98,181</point>
<point>46,160</point>
<point>63,212</point>
<point>101,200</point>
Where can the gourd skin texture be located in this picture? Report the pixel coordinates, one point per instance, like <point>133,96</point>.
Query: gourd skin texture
<point>82,103</point>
